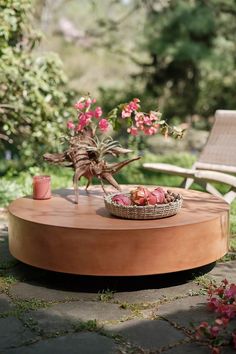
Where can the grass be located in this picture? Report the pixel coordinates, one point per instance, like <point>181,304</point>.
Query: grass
<point>233,224</point>
<point>106,295</point>
<point>90,325</point>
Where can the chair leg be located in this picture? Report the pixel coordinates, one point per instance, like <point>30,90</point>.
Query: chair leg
<point>230,196</point>
<point>188,182</point>
<point>211,189</point>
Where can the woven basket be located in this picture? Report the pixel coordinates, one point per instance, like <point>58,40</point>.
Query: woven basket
<point>156,211</point>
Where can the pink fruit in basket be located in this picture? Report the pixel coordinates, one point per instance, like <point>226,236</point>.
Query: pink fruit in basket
<point>160,195</point>
<point>152,199</point>
<point>121,199</point>
<point>140,196</point>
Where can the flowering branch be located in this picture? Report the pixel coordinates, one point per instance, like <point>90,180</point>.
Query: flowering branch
<point>91,119</point>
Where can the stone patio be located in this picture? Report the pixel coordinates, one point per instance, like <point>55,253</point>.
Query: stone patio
<point>46,312</point>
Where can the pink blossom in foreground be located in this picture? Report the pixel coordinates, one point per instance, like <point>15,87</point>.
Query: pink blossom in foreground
<point>213,304</point>
<point>103,125</point>
<point>70,125</point>
<point>222,301</point>
<point>223,321</point>
<point>231,292</point>
<point>121,199</point>
<point>214,330</point>
<point>215,350</point>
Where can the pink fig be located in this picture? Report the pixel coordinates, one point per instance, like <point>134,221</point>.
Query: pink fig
<point>160,195</point>
<point>152,199</point>
<point>121,199</point>
<point>140,196</point>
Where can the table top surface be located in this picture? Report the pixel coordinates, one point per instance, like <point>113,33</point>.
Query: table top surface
<point>91,213</point>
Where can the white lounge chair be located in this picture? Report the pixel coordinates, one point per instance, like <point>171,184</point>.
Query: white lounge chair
<point>216,163</point>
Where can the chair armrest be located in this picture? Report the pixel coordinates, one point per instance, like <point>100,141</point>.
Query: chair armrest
<point>216,177</point>
<point>170,169</point>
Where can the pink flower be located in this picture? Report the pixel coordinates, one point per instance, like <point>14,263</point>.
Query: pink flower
<point>70,125</point>
<point>231,292</point>
<point>214,330</point>
<point>139,116</point>
<point>89,114</point>
<point>223,321</point>
<point>79,105</point>
<point>126,112</point>
<point>133,105</point>
<point>84,120</point>
<point>203,324</point>
<point>98,112</point>
<point>133,131</point>
<point>215,350</point>
<point>87,102</point>
<point>147,120</point>
<point>136,100</point>
<point>103,125</point>
<point>150,131</point>
<point>121,199</point>
<point>213,304</point>
<point>130,107</point>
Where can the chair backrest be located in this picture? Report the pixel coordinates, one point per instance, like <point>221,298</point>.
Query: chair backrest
<point>219,153</point>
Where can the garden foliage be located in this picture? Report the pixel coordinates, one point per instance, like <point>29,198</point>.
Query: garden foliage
<point>34,100</point>
<point>192,50</point>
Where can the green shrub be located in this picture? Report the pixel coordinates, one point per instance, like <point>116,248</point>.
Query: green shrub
<point>34,100</point>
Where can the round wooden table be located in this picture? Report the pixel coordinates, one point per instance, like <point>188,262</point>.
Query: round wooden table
<point>59,235</point>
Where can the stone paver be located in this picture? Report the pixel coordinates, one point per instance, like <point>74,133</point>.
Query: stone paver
<point>13,333</point>
<point>5,255</point>
<point>81,343</point>
<point>189,348</point>
<point>5,303</point>
<point>28,291</point>
<point>154,295</point>
<point>62,316</point>
<point>185,311</point>
<point>224,270</point>
<point>148,334</point>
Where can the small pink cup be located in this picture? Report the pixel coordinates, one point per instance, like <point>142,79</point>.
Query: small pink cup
<point>41,187</point>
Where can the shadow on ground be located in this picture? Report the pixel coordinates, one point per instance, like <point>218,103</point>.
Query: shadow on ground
<point>81,283</point>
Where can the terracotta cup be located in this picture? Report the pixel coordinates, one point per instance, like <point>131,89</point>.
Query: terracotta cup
<point>41,187</point>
